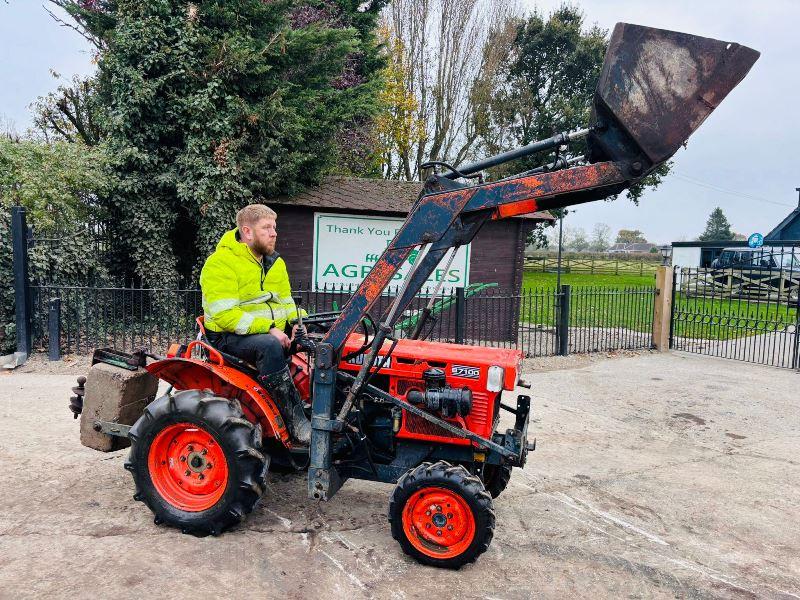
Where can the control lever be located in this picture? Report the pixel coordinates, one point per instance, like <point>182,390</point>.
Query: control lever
<point>301,342</point>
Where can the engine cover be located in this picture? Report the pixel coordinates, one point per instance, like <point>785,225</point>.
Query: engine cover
<point>464,367</point>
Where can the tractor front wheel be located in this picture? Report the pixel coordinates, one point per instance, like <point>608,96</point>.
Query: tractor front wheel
<point>441,515</point>
<point>197,462</point>
<point>496,478</point>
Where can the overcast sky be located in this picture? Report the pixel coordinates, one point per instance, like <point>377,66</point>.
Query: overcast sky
<point>743,158</point>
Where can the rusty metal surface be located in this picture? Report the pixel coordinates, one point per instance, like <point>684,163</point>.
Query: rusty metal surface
<point>661,85</point>
<point>368,291</point>
<point>523,194</point>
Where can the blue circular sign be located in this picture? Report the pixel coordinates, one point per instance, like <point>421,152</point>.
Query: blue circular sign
<point>756,240</point>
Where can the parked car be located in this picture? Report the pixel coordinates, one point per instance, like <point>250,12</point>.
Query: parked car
<point>756,259</point>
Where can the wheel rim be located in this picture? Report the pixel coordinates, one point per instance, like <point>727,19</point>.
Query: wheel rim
<point>438,522</point>
<point>188,467</point>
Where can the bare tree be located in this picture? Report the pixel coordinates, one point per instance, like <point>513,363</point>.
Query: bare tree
<point>69,112</point>
<point>578,241</point>
<point>601,237</point>
<point>8,128</point>
<point>450,65</point>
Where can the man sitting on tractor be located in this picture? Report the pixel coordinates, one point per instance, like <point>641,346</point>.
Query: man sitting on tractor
<point>247,301</point>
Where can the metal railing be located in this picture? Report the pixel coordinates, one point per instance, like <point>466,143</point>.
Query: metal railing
<point>125,318</point>
<point>540,321</point>
<point>606,319</point>
<point>749,314</point>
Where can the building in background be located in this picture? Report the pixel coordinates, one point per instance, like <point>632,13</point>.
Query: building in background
<point>332,234</point>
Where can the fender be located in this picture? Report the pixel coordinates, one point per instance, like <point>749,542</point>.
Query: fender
<point>192,373</point>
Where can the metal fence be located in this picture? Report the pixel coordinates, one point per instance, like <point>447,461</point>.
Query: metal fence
<point>84,318</point>
<point>540,322</point>
<point>750,314</point>
<point>603,318</point>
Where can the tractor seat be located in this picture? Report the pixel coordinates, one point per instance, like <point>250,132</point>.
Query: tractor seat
<point>233,361</point>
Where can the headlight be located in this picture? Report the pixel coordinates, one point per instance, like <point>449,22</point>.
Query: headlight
<point>494,381</point>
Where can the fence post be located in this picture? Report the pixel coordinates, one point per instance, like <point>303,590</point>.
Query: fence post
<point>54,329</point>
<point>662,311</point>
<point>460,315</point>
<point>562,328</point>
<point>796,356</point>
<point>672,308</point>
<point>22,292</point>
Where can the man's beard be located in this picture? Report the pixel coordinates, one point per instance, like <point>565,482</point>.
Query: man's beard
<point>262,248</point>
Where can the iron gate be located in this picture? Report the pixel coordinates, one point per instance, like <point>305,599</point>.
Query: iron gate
<point>748,312</point>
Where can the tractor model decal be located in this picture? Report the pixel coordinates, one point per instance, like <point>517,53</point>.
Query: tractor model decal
<point>466,372</point>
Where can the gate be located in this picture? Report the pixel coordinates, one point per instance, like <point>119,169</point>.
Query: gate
<point>748,312</point>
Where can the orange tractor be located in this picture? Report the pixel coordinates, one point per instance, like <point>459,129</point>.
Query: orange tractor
<point>421,415</point>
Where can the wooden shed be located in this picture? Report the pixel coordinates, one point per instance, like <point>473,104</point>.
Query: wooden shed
<point>495,255</point>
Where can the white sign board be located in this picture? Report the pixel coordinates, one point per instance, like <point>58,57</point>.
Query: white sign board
<point>346,247</point>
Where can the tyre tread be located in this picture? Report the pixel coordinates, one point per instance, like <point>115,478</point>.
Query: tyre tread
<point>239,434</point>
<point>469,486</point>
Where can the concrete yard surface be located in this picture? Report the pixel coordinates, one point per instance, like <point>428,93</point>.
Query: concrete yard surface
<point>655,476</point>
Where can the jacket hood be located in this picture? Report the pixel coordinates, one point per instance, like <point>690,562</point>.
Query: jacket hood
<point>230,242</point>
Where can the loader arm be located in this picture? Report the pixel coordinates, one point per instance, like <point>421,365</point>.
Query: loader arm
<point>452,218</point>
<point>655,89</point>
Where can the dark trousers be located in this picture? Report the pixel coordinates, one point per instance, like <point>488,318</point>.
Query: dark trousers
<point>261,349</point>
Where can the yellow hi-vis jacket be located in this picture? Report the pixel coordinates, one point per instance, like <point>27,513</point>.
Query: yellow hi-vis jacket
<point>240,295</point>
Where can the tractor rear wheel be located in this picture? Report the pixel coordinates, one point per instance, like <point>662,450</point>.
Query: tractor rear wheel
<point>197,462</point>
<point>496,478</point>
<point>441,515</point>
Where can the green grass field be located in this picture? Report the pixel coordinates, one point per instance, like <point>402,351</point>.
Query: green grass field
<point>533,279</point>
<point>607,301</point>
<point>624,301</point>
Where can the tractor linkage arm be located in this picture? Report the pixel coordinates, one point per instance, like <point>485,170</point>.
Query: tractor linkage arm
<point>656,87</point>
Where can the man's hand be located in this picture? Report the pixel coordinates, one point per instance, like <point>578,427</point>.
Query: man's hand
<point>282,337</point>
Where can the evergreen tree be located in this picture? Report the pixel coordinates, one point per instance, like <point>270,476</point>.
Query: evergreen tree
<point>210,105</point>
<point>717,227</point>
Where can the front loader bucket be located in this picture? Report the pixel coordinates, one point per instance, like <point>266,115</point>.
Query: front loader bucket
<point>657,87</point>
